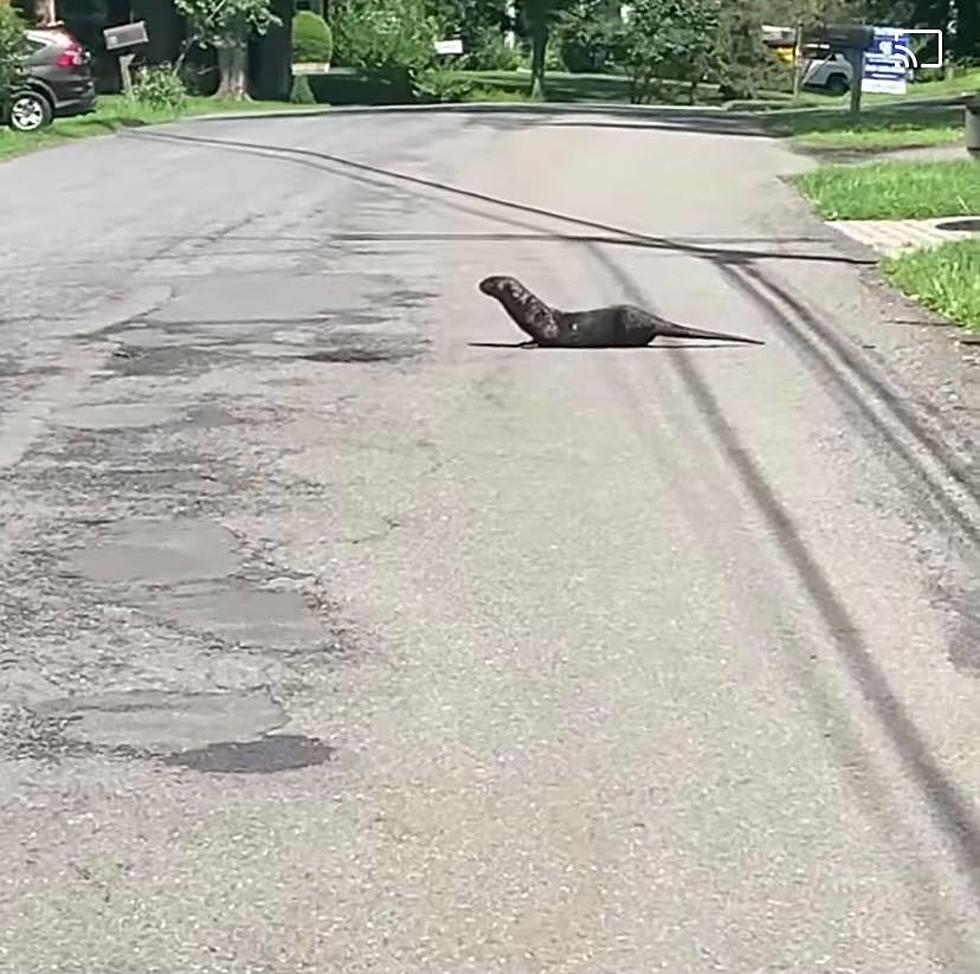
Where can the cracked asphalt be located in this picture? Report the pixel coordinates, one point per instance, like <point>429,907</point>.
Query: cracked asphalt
<point>337,634</point>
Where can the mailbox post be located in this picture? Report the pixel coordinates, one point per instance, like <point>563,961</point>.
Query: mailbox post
<point>852,40</point>
<point>125,37</point>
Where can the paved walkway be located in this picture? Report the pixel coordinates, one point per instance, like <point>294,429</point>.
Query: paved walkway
<point>889,237</point>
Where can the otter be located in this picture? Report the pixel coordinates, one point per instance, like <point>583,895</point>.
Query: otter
<point>616,326</point>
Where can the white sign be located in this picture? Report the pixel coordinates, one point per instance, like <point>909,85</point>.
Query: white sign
<point>888,62</point>
<point>449,47</point>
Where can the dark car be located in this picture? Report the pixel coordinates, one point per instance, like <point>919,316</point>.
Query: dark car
<point>57,80</point>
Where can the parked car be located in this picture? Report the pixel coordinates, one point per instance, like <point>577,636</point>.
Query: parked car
<point>828,72</point>
<point>58,81</point>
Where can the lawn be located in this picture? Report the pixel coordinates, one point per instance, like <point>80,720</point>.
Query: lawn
<point>114,112</point>
<point>887,121</point>
<point>945,279</point>
<point>894,190</point>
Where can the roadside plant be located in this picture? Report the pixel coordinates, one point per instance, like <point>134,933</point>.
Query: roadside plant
<point>312,38</point>
<point>160,87</point>
<point>13,47</point>
<point>384,34</point>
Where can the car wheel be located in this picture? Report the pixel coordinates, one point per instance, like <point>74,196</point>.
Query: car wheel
<point>837,84</point>
<point>29,112</point>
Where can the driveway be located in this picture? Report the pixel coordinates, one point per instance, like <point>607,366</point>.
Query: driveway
<point>339,635</point>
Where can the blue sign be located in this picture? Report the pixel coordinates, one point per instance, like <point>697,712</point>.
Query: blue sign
<point>887,62</point>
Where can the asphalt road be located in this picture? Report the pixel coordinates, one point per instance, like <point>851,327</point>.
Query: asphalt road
<point>340,636</point>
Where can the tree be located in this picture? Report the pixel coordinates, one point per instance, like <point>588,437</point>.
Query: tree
<point>45,13</point>
<point>586,34</point>
<point>225,25</point>
<point>667,39</point>
<point>481,26</point>
<point>743,59</point>
<point>538,17</point>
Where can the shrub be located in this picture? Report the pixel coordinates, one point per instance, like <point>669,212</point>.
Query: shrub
<point>441,87</point>
<point>385,34</point>
<point>302,93</point>
<point>312,38</point>
<point>13,46</point>
<point>160,88</point>
<point>481,94</point>
<point>490,53</point>
<point>586,37</point>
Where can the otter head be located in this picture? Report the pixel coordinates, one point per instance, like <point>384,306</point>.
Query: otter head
<point>499,286</point>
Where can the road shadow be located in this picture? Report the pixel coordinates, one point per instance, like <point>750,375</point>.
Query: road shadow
<point>653,347</point>
<point>378,177</point>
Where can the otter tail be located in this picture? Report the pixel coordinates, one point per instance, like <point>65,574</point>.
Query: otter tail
<point>670,329</point>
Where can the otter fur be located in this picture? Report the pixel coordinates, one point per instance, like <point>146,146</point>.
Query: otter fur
<point>616,326</point>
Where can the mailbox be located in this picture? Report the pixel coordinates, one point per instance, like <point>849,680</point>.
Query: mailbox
<point>125,35</point>
<point>849,37</point>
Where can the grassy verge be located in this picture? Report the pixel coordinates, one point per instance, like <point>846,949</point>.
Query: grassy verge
<point>887,122</point>
<point>893,190</point>
<point>114,112</point>
<point>879,129</point>
<point>571,88</point>
<point>945,279</point>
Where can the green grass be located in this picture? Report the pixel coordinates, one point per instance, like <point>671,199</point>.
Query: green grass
<point>894,190</point>
<point>115,112</point>
<point>945,279</point>
<point>887,122</point>
<point>878,129</point>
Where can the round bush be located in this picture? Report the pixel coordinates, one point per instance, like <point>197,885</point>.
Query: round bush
<point>312,40</point>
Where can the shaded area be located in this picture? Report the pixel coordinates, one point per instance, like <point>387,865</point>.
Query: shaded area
<point>624,237</point>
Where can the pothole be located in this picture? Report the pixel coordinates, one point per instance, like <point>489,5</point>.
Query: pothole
<point>157,552</point>
<point>365,348</point>
<point>161,722</point>
<point>280,752</point>
<point>160,361</point>
<point>244,615</point>
<point>118,415</point>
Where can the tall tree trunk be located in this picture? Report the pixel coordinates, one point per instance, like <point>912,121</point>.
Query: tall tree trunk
<point>45,14</point>
<point>233,71</point>
<point>539,44</point>
<point>967,46</point>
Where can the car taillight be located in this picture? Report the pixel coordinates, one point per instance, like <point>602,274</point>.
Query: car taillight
<point>71,57</point>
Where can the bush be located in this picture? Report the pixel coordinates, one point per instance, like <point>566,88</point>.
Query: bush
<point>490,53</point>
<point>312,39</point>
<point>481,94</point>
<point>442,87</point>
<point>302,93</point>
<point>160,88</point>
<point>385,34</point>
<point>13,46</point>
<point>586,36</point>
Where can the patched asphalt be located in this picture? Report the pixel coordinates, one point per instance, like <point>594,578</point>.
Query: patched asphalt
<point>337,634</point>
